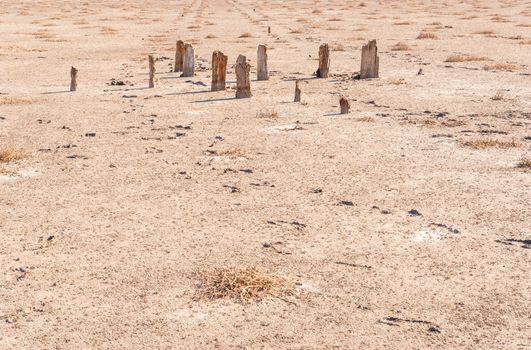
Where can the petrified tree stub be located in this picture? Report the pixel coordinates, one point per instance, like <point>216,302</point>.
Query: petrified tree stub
<point>297,92</point>
<point>370,61</point>
<point>219,71</point>
<point>179,56</point>
<point>261,72</point>
<point>151,60</point>
<point>344,105</point>
<point>73,79</point>
<point>324,61</point>
<point>243,81</point>
<point>189,61</point>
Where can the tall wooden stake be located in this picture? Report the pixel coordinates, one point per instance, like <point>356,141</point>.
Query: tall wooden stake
<point>151,71</point>
<point>324,61</point>
<point>219,71</point>
<point>189,61</point>
<point>344,105</point>
<point>179,56</point>
<point>297,92</point>
<point>243,81</point>
<point>73,79</point>
<point>261,70</point>
<point>370,62</point>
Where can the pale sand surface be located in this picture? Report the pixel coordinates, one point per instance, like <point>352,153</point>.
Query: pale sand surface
<point>101,236</point>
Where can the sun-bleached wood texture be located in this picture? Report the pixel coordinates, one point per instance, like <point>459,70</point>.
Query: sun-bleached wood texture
<point>324,61</point>
<point>73,79</point>
<point>179,56</point>
<point>189,61</point>
<point>219,71</point>
<point>261,71</point>
<point>370,61</point>
<point>243,81</point>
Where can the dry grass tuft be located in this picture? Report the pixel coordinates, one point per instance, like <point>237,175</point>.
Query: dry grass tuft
<point>490,143</point>
<point>210,36</point>
<point>508,67</point>
<point>242,284</point>
<point>524,163</point>
<point>11,154</point>
<point>427,35</point>
<point>14,101</point>
<point>267,114</point>
<point>246,35</point>
<point>401,46</point>
<point>465,58</point>
<point>403,23</point>
<point>485,32</point>
<point>232,153</point>
<point>399,81</point>
<point>499,96</point>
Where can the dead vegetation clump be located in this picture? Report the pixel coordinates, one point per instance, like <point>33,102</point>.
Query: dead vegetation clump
<point>246,35</point>
<point>426,34</point>
<point>485,32</point>
<point>524,162</point>
<point>232,153</point>
<point>14,101</point>
<point>508,67</point>
<point>401,46</point>
<point>267,114</point>
<point>11,154</point>
<point>465,58</point>
<point>490,143</point>
<point>210,36</point>
<point>242,284</point>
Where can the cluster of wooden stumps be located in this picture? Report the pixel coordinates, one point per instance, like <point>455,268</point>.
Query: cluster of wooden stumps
<point>185,63</point>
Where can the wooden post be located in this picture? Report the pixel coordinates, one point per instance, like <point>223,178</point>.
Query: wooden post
<point>344,105</point>
<point>73,79</point>
<point>268,30</point>
<point>151,71</point>
<point>219,71</point>
<point>243,82</point>
<point>189,61</point>
<point>261,71</point>
<point>179,56</point>
<point>297,92</point>
<point>324,61</point>
<point>370,61</point>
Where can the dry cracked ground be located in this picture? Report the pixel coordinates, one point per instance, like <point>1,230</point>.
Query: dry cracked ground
<point>402,225</point>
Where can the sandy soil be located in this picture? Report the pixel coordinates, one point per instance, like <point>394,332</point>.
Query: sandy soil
<point>101,235</point>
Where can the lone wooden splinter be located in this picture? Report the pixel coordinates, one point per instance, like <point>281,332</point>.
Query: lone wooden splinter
<point>370,61</point>
<point>344,105</point>
<point>189,61</point>
<point>261,71</point>
<point>73,79</point>
<point>179,56</point>
<point>324,61</point>
<point>243,81</point>
<point>219,71</point>
<point>297,92</point>
<point>151,71</point>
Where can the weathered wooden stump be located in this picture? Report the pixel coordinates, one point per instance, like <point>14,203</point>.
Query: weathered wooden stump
<point>297,92</point>
<point>344,105</point>
<point>324,61</point>
<point>243,81</point>
<point>151,60</point>
<point>189,61</point>
<point>370,61</point>
<point>261,71</point>
<point>73,79</point>
<point>219,71</point>
<point>179,56</point>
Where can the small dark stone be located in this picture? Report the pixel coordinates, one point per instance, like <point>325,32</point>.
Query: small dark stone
<point>347,203</point>
<point>414,212</point>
